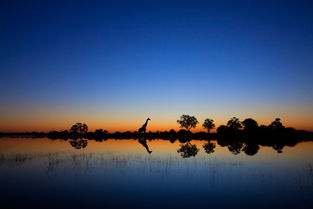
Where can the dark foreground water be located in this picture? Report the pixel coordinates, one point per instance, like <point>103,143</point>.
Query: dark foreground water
<point>44,173</point>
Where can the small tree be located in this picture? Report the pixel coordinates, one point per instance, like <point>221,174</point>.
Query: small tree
<point>276,124</point>
<point>79,128</point>
<point>187,122</point>
<point>208,124</point>
<point>234,124</point>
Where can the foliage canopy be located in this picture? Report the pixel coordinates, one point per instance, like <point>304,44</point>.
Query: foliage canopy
<point>79,128</point>
<point>208,124</point>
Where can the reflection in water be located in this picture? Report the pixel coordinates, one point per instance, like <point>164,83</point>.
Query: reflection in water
<point>20,159</point>
<point>78,143</point>
<point>278,147</point>
<point>188,150</point>
<point>209,147</point>
<point>116,173</point>
<point>235,147</point>
<point>67,162</point>
<point>251,149</point>
<point>143,141</point>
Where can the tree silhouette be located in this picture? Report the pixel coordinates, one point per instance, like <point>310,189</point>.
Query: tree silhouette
<point>209,147</point>
<point>221,129</point>
<point>208,124</point>
<point>187,122</point>
<point>79,128</point>
<point>188,150</point>
<point>249,124</point>
<point>234,124</point>
<point>276,124</point>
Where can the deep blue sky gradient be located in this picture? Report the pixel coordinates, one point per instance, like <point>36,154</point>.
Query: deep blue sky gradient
<point>141,58</point>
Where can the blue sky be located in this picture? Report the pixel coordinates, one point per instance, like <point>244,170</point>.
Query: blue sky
<point>103,61</point>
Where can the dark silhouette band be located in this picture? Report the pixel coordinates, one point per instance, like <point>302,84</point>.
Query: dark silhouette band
<point>246,136</point>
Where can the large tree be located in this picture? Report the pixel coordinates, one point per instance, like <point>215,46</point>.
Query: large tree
<point>234,124</point>
<point>250,124</point>
<point>187,122</point>
<point>208,124</point>
<point>221,129</point>
<point>79,128</point>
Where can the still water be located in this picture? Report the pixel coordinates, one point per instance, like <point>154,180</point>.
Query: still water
<point>45,173</point>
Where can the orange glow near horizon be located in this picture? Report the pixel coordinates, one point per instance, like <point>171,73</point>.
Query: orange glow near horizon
<point>127,125</point>
<point>130,117</point>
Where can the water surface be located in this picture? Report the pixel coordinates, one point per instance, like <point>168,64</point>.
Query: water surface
<point>45,173</point>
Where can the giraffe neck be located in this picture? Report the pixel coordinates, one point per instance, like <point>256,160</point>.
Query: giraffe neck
<point>146,123</point>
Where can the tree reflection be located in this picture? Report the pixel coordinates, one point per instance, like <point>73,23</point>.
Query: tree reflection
<point>78,143</point>
<point>188,150</point>
<point>251,149</point>
<point>209,147</point>
<point>278,147</point>
<point>235,147</point>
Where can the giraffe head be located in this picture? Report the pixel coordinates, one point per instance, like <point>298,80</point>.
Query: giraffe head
<point>148,119</point>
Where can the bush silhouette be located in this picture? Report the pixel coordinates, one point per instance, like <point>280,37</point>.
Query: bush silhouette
<point>100,132</point>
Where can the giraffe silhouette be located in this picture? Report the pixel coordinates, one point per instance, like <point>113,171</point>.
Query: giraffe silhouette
<point>143,141</point>
<point>143,127</point>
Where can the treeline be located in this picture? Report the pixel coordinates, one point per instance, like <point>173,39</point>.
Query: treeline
<point>238,136</point>
<point>234,130</point>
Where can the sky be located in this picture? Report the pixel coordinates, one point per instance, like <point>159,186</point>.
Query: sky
<point>112,64</point>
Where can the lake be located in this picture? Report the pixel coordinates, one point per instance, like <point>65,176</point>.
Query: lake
<point>129,173</point>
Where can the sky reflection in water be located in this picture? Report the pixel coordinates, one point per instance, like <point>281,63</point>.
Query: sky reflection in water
<point>122,173</point>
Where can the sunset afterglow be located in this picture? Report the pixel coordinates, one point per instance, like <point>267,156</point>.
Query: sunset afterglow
<point>113,64</point>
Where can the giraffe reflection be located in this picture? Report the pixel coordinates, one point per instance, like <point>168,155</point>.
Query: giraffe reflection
<point>143,141</point>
